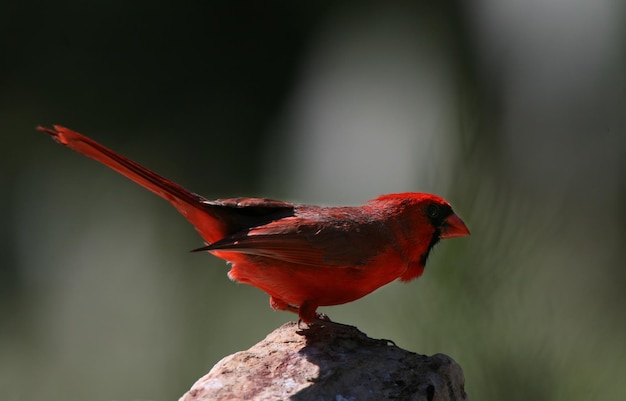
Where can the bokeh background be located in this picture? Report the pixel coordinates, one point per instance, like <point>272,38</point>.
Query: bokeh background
<point>514,111</point>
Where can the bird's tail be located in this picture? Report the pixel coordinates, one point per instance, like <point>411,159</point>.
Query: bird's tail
<point>189,204</point>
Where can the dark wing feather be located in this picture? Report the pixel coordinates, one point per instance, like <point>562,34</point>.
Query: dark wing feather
<point>240,214</point>
<point>309,241</point>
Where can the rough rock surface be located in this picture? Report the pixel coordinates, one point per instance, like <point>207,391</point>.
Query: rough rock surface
<point>329,361</point>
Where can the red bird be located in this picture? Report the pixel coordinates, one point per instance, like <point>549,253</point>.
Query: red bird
<point>302,256</point>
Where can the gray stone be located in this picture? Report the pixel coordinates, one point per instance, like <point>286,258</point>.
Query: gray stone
<point>329,361</point>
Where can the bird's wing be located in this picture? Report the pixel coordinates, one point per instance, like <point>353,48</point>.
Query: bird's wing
<point>331,242</point>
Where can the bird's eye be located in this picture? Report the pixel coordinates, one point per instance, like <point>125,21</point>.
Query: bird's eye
<point>433,211</point>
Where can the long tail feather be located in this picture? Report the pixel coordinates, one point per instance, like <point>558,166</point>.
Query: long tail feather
<point>187,203</point>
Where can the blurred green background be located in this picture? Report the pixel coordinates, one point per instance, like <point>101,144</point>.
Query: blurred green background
<point>513,111</point>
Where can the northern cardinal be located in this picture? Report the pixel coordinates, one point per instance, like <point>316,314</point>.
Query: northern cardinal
<point>302,256</point>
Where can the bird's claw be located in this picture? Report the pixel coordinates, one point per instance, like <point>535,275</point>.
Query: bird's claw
<point>320,318</point>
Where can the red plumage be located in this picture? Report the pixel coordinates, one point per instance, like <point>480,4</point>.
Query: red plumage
<point>303,256</point>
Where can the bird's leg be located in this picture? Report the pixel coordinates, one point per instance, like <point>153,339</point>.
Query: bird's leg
<point>306,312</point>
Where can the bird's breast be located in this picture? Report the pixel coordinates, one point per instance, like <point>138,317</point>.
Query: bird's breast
<point>324,285</point>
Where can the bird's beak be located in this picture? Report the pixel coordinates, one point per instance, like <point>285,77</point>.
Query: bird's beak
<point>452,227</point>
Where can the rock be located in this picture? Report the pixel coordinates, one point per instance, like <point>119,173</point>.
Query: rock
<point>329,361</point>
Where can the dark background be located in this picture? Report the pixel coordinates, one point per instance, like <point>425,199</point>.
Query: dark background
<point>515,113</point>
